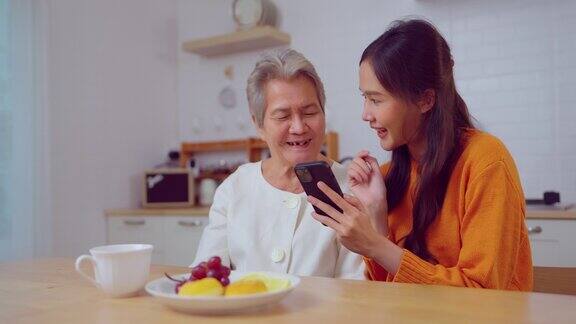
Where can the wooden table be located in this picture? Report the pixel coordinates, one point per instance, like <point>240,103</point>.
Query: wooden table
<point>50,291</point>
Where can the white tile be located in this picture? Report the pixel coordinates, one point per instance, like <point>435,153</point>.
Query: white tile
<point>469,70</point>
<point>524,80</point>
<point>482,22</point>
<point>499,66</point>
<point>484,84</point>
<point>530,47</point>
<point>482,52</point>
<point>566,95</point>
<point>499,34</point>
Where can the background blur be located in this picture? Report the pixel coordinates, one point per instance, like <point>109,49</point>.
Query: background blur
<point>93,92</point>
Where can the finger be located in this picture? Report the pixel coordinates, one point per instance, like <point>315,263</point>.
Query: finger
<point>359,173</point>
<point>353,201</point>
<point>363,154</point>
<point>327,221</point>
<point>331,211</point>
<point>373,163</point>
<point>352,182</point>
<point>361,163</point>
<point>336,198</point>
<point>353,174</point>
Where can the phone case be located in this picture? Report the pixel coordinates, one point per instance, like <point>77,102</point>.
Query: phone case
<point>310,173</point>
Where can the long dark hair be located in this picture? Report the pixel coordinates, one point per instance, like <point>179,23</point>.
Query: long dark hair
<point>408,59</point>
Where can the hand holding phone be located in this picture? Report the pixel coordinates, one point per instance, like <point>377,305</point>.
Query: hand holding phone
<point>310,173</point>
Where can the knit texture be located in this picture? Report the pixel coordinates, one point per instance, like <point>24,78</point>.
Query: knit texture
<point>479,239</point>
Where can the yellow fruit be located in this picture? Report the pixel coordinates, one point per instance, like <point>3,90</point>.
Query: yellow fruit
<point>203,287</point>
<point>245,287</point>
<point>272,284</point>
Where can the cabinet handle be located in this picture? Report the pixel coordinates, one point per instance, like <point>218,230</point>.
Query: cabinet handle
<point>134,222</point>
<point>534,230</point>
<point>194,223</point>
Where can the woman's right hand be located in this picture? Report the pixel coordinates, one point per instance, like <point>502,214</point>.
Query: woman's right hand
<point>367,184</point>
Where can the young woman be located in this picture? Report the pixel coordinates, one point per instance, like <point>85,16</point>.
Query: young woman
<point>448,208</point>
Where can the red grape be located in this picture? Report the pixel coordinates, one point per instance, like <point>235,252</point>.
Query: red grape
<point>214,262</point>
<point>224,281</point>
<point>203,264</point>
<point>225,271</point>
<point>214,273</point>
<point>199,272</point>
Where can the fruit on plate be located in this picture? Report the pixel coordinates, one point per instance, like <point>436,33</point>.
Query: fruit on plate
<point>272,284</point>
<point>213,268</point>
<point>211,278</point>
<point>245,287</point>
<point>202,287</point>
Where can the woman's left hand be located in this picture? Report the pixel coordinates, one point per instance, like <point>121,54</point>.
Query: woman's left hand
<point>352,225</point>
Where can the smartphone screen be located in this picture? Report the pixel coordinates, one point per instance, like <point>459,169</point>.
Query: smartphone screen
<point>310,173</point>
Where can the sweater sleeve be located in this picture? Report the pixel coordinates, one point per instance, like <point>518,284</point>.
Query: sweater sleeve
<point>491,234</point>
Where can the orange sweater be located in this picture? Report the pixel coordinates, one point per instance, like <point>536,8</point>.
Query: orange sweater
<point>479,238</point>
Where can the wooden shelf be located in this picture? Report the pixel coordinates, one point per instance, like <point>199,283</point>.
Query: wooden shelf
<point>240,41</point>
<point>252,146</point>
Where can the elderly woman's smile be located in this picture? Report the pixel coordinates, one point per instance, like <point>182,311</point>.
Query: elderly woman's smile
<point>294,124</point>
<point>297,144</point>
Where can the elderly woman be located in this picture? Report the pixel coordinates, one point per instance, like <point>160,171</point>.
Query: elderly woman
<point>260,219</point>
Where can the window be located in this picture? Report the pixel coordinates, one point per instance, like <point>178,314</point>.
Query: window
<point>5,125</point>
<point>22,107</point>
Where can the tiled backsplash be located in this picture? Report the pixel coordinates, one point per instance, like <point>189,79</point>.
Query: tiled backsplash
<point>515,67</point>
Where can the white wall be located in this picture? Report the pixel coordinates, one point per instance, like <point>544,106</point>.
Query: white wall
<point>113,109</point>
<point>514,64</point>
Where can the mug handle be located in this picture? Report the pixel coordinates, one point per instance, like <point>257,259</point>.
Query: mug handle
<point>79,261</point>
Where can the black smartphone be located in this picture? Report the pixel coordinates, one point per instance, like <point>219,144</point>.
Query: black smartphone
<point>310,173</point>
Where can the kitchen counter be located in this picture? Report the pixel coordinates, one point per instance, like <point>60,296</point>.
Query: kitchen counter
<point>50,291</point>
<point>193,211</point>
<point>203,211</point>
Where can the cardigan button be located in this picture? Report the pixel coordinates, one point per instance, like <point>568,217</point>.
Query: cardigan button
<point>277,255</point>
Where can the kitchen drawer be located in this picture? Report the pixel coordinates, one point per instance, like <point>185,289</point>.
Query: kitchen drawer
<point>552,242</point>
<point>182,236</point>
<point>134,229</point>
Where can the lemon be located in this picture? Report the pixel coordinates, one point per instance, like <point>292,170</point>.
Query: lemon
<point>202,287</point>
<point>272,284</point>
<point>245,287</point>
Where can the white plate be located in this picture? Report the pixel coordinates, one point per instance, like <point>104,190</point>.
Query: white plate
<point>163,290</point>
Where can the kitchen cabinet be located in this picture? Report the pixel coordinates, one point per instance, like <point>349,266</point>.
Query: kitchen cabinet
<point>182,236</point>
<point>552,242</point>
<point>175,234</point>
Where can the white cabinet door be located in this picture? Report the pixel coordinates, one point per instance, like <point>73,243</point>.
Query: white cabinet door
<point>552,242</point>
<point>136,229</point>
<point>182,235</point>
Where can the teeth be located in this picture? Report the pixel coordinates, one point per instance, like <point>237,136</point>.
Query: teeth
<point>300,143</point>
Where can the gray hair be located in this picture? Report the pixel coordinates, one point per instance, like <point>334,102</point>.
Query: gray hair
<point>279,65</point>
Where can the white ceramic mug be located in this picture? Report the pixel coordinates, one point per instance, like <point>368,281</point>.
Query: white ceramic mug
<point>120,270</point>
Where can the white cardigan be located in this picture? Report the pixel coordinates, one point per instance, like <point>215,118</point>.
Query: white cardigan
<point>254,226</point>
